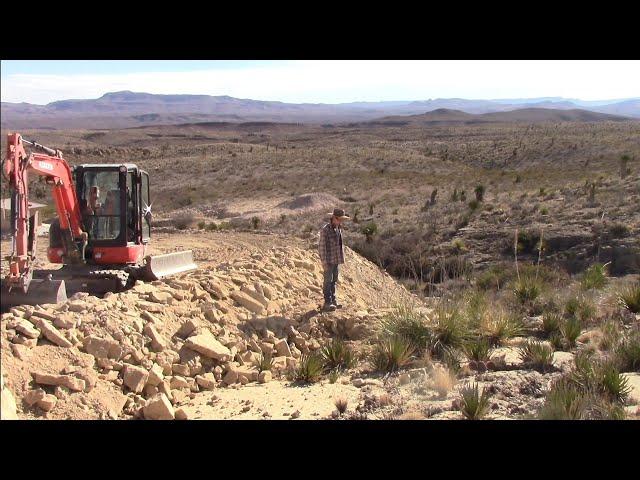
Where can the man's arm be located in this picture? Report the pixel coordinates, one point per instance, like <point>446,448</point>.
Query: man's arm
<point>322,247</point>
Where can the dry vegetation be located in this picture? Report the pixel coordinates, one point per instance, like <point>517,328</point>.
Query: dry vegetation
<point>446,210</point>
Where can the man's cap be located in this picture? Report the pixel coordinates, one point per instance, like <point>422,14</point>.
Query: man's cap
<point>339,213</point>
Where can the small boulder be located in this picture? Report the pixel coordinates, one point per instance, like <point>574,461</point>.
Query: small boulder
<point>159,407</point>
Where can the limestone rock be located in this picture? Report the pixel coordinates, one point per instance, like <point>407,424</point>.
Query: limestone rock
<point>52,334</point>
<point>159,408</point>
<point>248,302</point>
<point>72,383</point>
<point>158,343</point>
<point>208,346</point>
<point>282,348</point>
<point>102,347</point>
<point>47,402</point>
<point>135,377</point>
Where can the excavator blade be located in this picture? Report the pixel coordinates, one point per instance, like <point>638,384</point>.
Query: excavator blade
<point>38,293</point>
<point>160,266</point>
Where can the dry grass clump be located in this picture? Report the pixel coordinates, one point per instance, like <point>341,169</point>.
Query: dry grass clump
<point>341,404</point>
<point>595,277</point>
<point>442,381</point>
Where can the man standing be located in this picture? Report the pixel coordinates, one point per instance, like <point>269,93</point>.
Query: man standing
<point>331,255</point>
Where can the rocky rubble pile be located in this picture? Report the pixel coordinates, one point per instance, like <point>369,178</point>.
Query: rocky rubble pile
<point>146,352</point>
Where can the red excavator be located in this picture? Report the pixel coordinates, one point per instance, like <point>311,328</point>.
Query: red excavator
<point>100,235</point>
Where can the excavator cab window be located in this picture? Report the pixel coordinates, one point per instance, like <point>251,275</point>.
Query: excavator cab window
<point>145,206</point>
<point>100,202</point>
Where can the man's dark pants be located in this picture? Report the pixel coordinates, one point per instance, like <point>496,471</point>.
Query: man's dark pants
<point>329,286</point>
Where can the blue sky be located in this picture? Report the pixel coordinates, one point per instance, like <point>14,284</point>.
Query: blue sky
<point>322,81</point>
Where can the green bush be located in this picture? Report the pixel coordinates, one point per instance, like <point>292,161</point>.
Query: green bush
<point>594,277</point>
<point>450,331</point>
<point>612,384</point>
<point>571,329</point>
<point>478,349</point>
<point>581,308</point>
<point>551,323</point>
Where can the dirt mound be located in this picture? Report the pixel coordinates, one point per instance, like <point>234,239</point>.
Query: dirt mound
<point>153,351</point>
<point>311,201</point>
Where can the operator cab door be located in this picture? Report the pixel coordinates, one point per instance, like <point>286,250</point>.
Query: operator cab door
<point>144,212</point>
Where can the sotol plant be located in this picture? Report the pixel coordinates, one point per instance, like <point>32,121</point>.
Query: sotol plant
<point>473,404</point>
<point>337,355</point>
<point>537,355</point>
<point>309,369</point>
<point>391,353</point>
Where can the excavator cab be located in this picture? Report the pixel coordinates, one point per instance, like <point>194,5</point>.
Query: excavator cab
<point>116,214</point>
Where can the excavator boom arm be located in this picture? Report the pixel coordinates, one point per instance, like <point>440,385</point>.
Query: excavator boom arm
<point>57,172</point>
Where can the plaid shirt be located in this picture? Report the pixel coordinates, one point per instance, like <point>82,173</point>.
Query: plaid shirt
<point>330,245</point>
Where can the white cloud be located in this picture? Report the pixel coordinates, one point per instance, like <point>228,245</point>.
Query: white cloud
<point>346,81</point>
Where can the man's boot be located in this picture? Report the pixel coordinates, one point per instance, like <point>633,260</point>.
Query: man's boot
<point>328,307</point>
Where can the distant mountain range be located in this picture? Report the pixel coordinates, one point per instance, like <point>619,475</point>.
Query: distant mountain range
<point>129,109</point>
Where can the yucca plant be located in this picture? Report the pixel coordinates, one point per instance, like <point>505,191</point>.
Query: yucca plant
<point>595,277</point>
<point>265,362</point>
<point>451,358</point>
<point>627,353</point>
<point>580,307</point>
<point>451,330</point>
<point>551,323</point>
<point>602,409</point>
<point>334,375</point>
<point>610,335</point>
<point>612,383</point>
<point>570,330</point>
<point>337,355</point>
<point>564,401</point>
<point>629,297</point>
<point>527,288</point>
<point>478,350</point>
<point>537,355</point>
<point>406,322</point>
<point>474,405</point>
<point>501,326</point>
<point>309,369</point>
<point>391,353</point>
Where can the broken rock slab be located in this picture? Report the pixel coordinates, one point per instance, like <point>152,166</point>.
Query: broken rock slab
<point>52,334</point>
<point>72,383</point>
<point>159,408</point>
<point>102,347</point>
<point>207,345</point>
<point>135,377</point>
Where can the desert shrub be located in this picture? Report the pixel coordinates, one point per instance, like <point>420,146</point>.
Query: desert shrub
<point>473,205</point>
<point>405,321</point>
<point>564,401</point>
<point>473,404</point>
<point>451,358</point>
<point>369,230</point>
<point>494,277</point>
<point>527,288</point>
<point>610,335</point>
<point>500,326</point>
<point>537,355</point>
<point>618,230</point>
<point>265,362</point>
<point>309,369</point>
<point>629,297</point>
<point>594,277</point>
<point>478,349</point>
<point>255,222</point>
<point>450,331</point>
<point>458,245</point>
<point>570,330</point>
<point>201,225</point>
<point>551,323</point>
<point>182,221</point>
<point>544,211</point>
<point>212,226</point>
<point>580,307</point>
<point>612,384</point>
<point>337,355</point>
<point>391,353</point>
<point>479,191</point>
<point>334,375</point>
<point>627,353</point>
